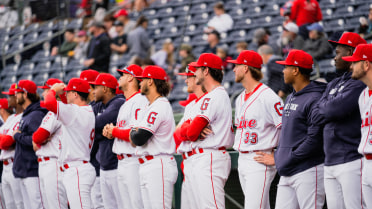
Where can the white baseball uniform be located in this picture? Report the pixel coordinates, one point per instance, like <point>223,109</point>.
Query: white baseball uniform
<point>78,124</point>
<point>51,186</point>
<point>158,168</point>
<point>258,121</point>
<point>365,146</point>
<point>10,184</point>
<point>211,164</point>
<point>128,166</point>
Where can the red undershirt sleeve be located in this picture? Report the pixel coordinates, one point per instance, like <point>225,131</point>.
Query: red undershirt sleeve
<point>40,136</point>
<point>50,101</point>
<point>177,137</point>
<point>122,134</point>
<point>194,130</point>
<point>63,97</point>
<point>6,142</point>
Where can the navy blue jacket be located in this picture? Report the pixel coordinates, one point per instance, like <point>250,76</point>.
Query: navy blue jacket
<point>301,143</point>
<point>106,114</point>
<point>25,160</point>
<point>94,150</point>
<point>340,110</point>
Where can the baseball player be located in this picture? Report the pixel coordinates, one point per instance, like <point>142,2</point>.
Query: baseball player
<point>46,140</point>
<point>362,70</point>
<point>78,124</point>
<point>339,107</point>
<point>10,184</point>
<point>153,137</point>
<point>106,110</point>
<point>211,163</point>
<point>187,199</point>
<point>97,202</point>
<point>128,168</point>
<point>25,164</point>
<point>299,156</point>
<point>258,112</point>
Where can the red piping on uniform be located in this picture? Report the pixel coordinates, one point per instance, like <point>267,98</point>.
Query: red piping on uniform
<point>1,201</point>
<point>361,185</point>
<point>263,190</point>
<point>214,196</point>
<point>41,197</point>
<point>59,202</point>
<point>77,172</point>
<point>162,178</point>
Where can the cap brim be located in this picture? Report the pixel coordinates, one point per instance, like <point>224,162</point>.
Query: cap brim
<point>18,90</point>
<point>116,15</point>
<point>282,63</point>
<point>43,87</point>
<point>187,74</point>
<point>194,65</point>
<point>351,59</point>
<point>7,93</point>
<point>233,61</point>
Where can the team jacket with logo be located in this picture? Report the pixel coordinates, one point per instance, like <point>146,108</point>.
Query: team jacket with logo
<point>301,139</point>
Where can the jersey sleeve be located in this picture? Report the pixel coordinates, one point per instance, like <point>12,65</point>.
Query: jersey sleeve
<point>151,120</point>
<point>237,110</point>
<point>50,123</point>
<point>67,113</point>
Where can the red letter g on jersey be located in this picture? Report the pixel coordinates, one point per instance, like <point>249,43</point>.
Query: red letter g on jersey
<point>152,117</point>
<point>205,104</point>
<point>278,108</point>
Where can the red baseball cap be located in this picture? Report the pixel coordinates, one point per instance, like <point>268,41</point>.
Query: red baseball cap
<point>208,60</point>
<point>361,52</point>
<point>154,72</point>
<point>134,70</point>
<point>349,39</point>
<point>298,58</point>
<point>89,75</point>
<point>248,57</point>
<point>27,86</point>
<point>11,90</point>
<point>49,83</point>
<point>189,99</point>
<point>4,103</point>
<point>78,84</point>
<point>106,79</point>
<point>119,91</point>
<point>121,12</point>
<point>190,70</point>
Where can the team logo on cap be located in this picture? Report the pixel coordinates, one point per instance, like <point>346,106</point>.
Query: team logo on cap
<point>364,56</point>
<point>74,87</point>
<point>245,61</point>
<point>148,74</point>
<point>205,63</point>
<point>103,82</point>
<point>85,78</point>
<point>296,62</point>
<point>348,41</point>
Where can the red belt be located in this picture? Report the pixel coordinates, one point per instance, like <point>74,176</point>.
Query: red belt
<point>245,152</point>
<point>8,161</point>
<point>122,156</point>
<point>368,156</point>
<point>186,155</point>
<point>147,157</point>
<point>66,166</point>
<point>41,159</point>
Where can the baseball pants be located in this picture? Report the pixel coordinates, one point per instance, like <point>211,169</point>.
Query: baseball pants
<point>96,196</point>
<point>10,184</point>
<point>109,189</point>
<point>303,190</point>
<point>210,171</point>
<point>2,203</point>
<point>30,189</point>
<point>51,186</point>
<point>157,177</point>
<point>187,196</point>
<point>343,185</point>
<point>255,179</point>
<point>367,183</point>
<point>78,182</point>
<point>128,181</point>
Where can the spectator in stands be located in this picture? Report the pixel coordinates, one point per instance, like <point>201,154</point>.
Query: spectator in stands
<point>365,28</point>
<point>221,22</point>
<point>99,48</point>
<point>289,39</point>
<point>274,71</point>
<point>186,56</point>
<point>108,21</point>
<point>138,40</point>
<point>317,45</point>
<point>240,46</point>
<point>260,37</point>
<point>122,16</point>
<point>222,52</point>
<point>81,48</point>
<point>164,57</point>
<point>305,12</point>
<point>119,43</point>
<point>68,45</point>
<point>213,40</point>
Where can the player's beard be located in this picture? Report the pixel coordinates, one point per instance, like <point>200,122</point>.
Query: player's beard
<point>199,81</point>
<point>20,100</point>
<point>358,73</point>
<point>144,89</point>
<point>238,78</point>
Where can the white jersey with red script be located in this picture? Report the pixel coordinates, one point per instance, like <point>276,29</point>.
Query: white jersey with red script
<point>215,107</point>
<point>158,119</point>
<point>11,124</point>
<point>53,126</point>
<point>78,124</point>
<point>365,108</point>
<point>258,120</point>
<point>129,113</point>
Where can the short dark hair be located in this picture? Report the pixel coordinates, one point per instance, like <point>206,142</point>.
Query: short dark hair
<point>113,91</point>
<point>141,20</point>
<point>305,72</point>
<point>346,47</point>
<point>70,30</point>
<point>256,73</point>
<point>83,96</point>
<point>162,87</point>
<point>219,5</point>
<point>216,74</point>
<point>33,97</point>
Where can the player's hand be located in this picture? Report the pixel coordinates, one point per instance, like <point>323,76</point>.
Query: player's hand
<point>58,88</point>
<point>49,139</point>
<point>107,131</point>
<point>206,131</point>
<point>35,146</point>
<point>16,131</point>
<point>265,158</point>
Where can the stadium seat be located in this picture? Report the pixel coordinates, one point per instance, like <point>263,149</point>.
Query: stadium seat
<point>9,70</point>
<point>25,77</point>
<point>167,22</point>
<point>334,25</point>
<point>30,38</point>
<point>42,67</point>
<point>345,11</point>
<point>165,12</point>
<point>59,64</point>
<point>46,27</point>
<point>42,56</point>
<point>270,9</point>
<point>75,24</point>
<point>72,74</point>
<point>170,32</point>
<point>75,65</point>
<point>237,35</point>
<point>58,75</point>
<point>199,40</point>
<point>32,28</point>
<point>200,18</point>
<point>201,8</point>
<point>60,25</point>
<point>245,23</point>
<point>176,3</point>
<point>194,29</point>
<point>40,78</point>
<point>44,35</point>
<point>182,10</point>
<point>26,68</point>
<point>17,30</point>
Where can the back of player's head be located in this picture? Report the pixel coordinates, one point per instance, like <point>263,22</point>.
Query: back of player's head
<point>80,86</point>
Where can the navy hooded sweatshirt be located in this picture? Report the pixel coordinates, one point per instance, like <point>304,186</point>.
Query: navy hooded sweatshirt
<point>25,160</point>
<point>340,110</point>
<point>106,114</point>
<point>300,144</point>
